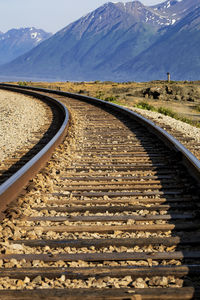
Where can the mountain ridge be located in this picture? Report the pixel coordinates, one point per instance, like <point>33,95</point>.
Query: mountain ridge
<point>76,45</point>
<point>114,42</point>
<point>156,62</point>
<point>16,42</point>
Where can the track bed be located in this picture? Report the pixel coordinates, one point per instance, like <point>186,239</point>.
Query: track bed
<point>114,215</point>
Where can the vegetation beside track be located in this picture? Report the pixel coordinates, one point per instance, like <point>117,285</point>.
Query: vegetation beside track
<point>179,100</point>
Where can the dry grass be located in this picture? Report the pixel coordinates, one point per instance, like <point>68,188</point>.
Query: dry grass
<point>129,94</point>
<point>102,90</point>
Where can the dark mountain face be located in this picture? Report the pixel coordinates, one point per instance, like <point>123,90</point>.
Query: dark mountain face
<point>117,41</point>
<point>177,52</point>
<point>16,42</point>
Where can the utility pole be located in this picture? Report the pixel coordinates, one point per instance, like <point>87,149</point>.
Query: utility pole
<point>168,77</point>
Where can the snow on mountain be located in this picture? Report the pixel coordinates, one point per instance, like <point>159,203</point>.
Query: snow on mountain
<point>16,42</point>
<point>174,10</point>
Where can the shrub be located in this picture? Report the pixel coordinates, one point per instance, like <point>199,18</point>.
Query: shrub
<point>167,112</point>
<point>111,98</point>
<point>81,92</point>
<point>145,105</point>
<point>197,108</point>
<point>100,95</point>
<point>21,83</point>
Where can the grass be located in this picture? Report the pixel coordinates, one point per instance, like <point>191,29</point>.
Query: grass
<point>22,83</point>
<point>197,108</point>
<point>118,93</point>
<point>167,112</point>
<point>145,105</point>
<point>110,98</point>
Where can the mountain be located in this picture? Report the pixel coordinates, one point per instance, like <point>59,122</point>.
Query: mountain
<point>177,52</point>
<point>118,41</point>
<point>174,10</point>
<point>16,42</point>
<point>93,45</point>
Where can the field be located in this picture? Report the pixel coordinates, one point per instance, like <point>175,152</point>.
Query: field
<point>181,98</point>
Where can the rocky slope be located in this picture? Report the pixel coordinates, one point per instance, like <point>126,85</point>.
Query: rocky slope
<point>175,52</point>
<point>175,10</point>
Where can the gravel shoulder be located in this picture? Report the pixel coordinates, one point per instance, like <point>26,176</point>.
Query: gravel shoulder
<point>20,117</point>
<point>177,127</point>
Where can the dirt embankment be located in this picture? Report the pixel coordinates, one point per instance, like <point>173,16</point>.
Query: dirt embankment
<point>171,93</point>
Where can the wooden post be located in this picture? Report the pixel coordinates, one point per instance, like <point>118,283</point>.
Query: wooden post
<point>168,77</point>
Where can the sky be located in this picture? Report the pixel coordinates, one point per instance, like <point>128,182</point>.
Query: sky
<point>50,15</point>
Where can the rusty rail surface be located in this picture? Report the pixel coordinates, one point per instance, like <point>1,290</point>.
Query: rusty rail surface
<point>11,188</point>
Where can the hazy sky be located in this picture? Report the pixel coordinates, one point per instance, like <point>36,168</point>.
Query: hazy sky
<point>50,15</point>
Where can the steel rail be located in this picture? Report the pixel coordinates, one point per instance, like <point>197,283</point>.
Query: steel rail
<point>181,190</point>
<point>12,187</point>
<point>183,154</point>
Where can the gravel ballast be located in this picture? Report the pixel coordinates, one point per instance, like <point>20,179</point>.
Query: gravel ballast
<point>186,129</point>
<point>18,226</point>
<point>20,117</point>
<point>179,127</point>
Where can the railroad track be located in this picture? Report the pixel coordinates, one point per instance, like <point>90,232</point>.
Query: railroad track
<point>114,214</point>
<point>189,142</point>
<point>19,168</point>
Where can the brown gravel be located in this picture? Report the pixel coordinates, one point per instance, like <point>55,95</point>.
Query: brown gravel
<point>43,185</point>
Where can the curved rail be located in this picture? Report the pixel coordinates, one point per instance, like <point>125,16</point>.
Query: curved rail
<point>189,160</point>
<point>12,187</point>
<point>148,180</point>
